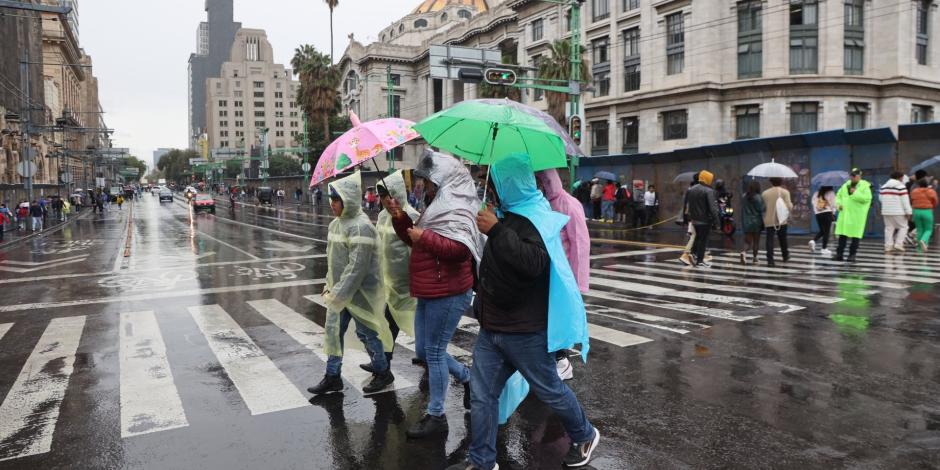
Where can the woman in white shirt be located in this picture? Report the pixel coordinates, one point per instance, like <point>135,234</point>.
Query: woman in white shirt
<point>824,206</point>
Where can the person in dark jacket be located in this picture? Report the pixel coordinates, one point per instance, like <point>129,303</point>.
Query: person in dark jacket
<point>36,212</point>
<point>445,246</point>
<point>752,220</point>
<point>513,297</point>
<point>703,213</point>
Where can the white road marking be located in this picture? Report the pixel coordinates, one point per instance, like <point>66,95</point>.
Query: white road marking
<point>836,267</point>
<point>666,292</point>
<point>890,266</point>
<point>30,411</point>
<point>210,237</point>
<point>718,287</point>
<point>263,387</point>
<point>625,254</point>
<point>599,332</point>
<point>290,221</point>
<point>815,275</point>
<point>310,334</point>
<point>650,321</point>
<point>150,401</point>
<point>161,295</point>
<point>667,305</point>
<point>751,272</point>
<point>4,327</point>
<point>42,263</point>
<point>265,229</point>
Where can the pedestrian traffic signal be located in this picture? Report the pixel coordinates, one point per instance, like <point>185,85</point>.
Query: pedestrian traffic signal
<point>574,129</point>
<point>499,76</point>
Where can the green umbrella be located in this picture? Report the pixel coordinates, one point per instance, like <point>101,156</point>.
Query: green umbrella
<point>484,132</point>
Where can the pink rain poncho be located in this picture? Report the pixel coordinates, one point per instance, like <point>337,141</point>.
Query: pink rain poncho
<point>574,236</point>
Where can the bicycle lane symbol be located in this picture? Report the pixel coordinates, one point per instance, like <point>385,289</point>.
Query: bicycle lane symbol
<point>278,270</point>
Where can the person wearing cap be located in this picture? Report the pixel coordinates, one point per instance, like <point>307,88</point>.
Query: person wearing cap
<point>353,290</point>
<point>852,201</point>
<point>702,204</point>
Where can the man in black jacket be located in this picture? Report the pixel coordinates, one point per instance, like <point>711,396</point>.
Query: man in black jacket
<point>703,212</point>
<point>512,307</point>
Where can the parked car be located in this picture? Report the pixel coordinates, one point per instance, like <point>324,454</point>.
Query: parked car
<point>203,202</point>
<point>166,195</point>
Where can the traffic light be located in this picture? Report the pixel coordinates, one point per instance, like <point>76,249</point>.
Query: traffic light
<point>469,75</point>
<point>574,129</point>
<point>499,76</point>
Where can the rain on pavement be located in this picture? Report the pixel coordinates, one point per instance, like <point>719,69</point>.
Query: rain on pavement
<point>196,349</point>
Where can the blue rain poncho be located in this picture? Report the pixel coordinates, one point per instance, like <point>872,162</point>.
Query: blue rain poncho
<point>352,278</point>
<point>515,185</point>
<point>394,256</point>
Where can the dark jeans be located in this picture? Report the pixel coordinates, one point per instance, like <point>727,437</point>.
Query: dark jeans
<point>781,233</point>
<point>824,220</point>
<point>495,358</point>
<point>368,337</point>
<point>701,241</point>
<point>596,209</point>
<point>650,215</point>
<point>843,240</point>
<point>639,216</point>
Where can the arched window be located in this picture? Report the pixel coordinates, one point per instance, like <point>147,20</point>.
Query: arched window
<point>463,14</point>
<point>401,28</point>
<point>444,17</point>
<point>422,23</point>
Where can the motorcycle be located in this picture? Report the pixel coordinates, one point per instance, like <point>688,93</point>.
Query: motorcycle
<point>726,217</point>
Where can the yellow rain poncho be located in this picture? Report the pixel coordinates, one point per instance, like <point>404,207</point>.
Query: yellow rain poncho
<point>394,256</point>
<point>352,278</point>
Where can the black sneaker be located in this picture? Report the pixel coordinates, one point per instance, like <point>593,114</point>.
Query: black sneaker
<point>428,426</point>
<point>838,258</point>
<point>379,382</point>
<point>419,362</point>
<point>368,366</point>
<point>466,395</point>
<point>851,259</point>
<point>329,384</point>
<point>580,454</point>
<point>469,466</point>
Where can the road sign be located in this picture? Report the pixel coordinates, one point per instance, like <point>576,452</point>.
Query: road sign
<point>116,151</point>
<point>305,167</point>
<point>66,177</point>
<point>265,164</point>
<point>26,169</point>
<point>446,61</point>
<point>197,161</point>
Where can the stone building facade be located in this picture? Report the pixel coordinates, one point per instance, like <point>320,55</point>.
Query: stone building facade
<point>214,39</point>
<point>670,74</point>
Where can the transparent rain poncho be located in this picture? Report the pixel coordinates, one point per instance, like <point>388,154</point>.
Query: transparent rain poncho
<point>352,279</point>
<point>394,256</point>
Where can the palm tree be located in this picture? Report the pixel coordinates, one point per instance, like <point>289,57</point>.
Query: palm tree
<point>332,4</point>
<point>319,82</point>
<point>558,67</point>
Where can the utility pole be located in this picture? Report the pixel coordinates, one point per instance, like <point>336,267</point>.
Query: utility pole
<point>306,165</point>
<point>575,77</point>
<point>389,85</point>
<point>265,164</point>
<point>25,150</point>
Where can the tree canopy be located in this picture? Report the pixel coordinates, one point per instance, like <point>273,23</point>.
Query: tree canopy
<point>175,162</point>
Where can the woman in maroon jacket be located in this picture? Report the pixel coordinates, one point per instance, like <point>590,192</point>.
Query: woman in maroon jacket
<point>445,249</point>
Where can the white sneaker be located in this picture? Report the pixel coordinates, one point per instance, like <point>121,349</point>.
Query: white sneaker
<point>899,248</point>
<point>564,369</point>
<point>812,245</point>
<point>825,252</point>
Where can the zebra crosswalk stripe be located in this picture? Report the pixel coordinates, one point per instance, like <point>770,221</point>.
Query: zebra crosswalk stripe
<point>644,319</point>
<point>150,401</point>
<point>263,387</point>
<point>827,275</point>
<point>30,411</point>
<point>752,272</point>
<point>668,305</point>
<point>4,327</point>
<point>830,267</point>
<point>608,335</point>
<point>666,292</point>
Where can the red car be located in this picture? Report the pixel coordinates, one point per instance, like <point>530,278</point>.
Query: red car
<point>203,202</point>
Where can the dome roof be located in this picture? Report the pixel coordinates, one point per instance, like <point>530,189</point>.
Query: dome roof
<point>428,6</point>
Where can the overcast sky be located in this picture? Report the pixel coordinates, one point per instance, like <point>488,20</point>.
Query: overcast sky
<point>141,48</point>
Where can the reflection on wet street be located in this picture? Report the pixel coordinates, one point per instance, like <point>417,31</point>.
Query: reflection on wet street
<point>159,338</point>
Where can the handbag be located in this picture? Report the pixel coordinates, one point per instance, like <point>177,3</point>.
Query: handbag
<point>783,213</point>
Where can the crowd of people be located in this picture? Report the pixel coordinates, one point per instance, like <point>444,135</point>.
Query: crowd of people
<point>519,264</point>
<point>33,215</point>
<point>608,201</point>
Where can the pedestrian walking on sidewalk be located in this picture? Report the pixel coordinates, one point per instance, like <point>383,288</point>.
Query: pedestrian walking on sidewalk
<point>824,207</point>
<point>752,220</point>
<point>445,249</point>
<point>394,257</point>
<point>778,206</point>
<point>852,201</point>
<point>57,205</point>
<point>120,202</point>
<point>651,206</point>
<point>22,213</point>
<point>575,240</point>
<point>528,304</point>
<point>703,213</point>
<point>896,210</point>
<point>353,290</point>
<point>36,213</point>
<point>44,205</point>
<point>924,201</point>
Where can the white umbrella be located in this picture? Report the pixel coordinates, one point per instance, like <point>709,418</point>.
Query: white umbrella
<point>772,170</point>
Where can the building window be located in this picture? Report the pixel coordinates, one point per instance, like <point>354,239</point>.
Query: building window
<point>396,106</point>
<point>675,44</point>
<point>238,94</point>
<point>258,84</point>
<point>537,29</point>
<point>675,124</point>
<point>421,23</point>
<point>804,33</point>
<point>747,122</point>
<point>443,17</point>
<point>600,132</point>
<point>259,104</point>
<point>856,116</point>
<point>239,113</point>
<point>223,123</point>
<point>921,113</point>
<point>537,94</point>
<point>259,94</point>
<point>259,124</point>
<point>631,59</point>
<point>224,144</point>
<point>239,133</point>
<point>601,84</point>
<point>750,41</point>
<point>923,31</point>
<point>277,84</point>
<point>631,135</point>
<point>279,114</point>
<point>465,14</point>
<point>259,113</point>
<point>804,117</point>
<point>239,123</point>
<point>854,56</point>
<point>238,104</point>
<point>278,94</point>
<point>599,51</point>
<point>223,113</point>
<point>278,104</point>
<point>223,133</point>
<point>401,28</point>
<point>600,9</point>
<point>223,103</point>
<point>568,20</point>
<point>396,79</point>
<point>238,84</point>
<point>630,4</point>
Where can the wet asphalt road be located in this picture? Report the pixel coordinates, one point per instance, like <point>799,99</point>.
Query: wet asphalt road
<point>196,349</point>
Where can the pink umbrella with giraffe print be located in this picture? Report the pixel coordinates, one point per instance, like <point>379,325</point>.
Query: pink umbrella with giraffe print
<point>364,141</point>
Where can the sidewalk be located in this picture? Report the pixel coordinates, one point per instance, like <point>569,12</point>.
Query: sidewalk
<point>12,237</point>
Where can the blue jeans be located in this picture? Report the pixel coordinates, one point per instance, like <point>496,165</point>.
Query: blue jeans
<point>369,338</point>
<point>496,357</point>
<point>607,209</point>
<point>438,318</point>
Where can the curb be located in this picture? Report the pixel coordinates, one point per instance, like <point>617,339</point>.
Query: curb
<point>53,229</point>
